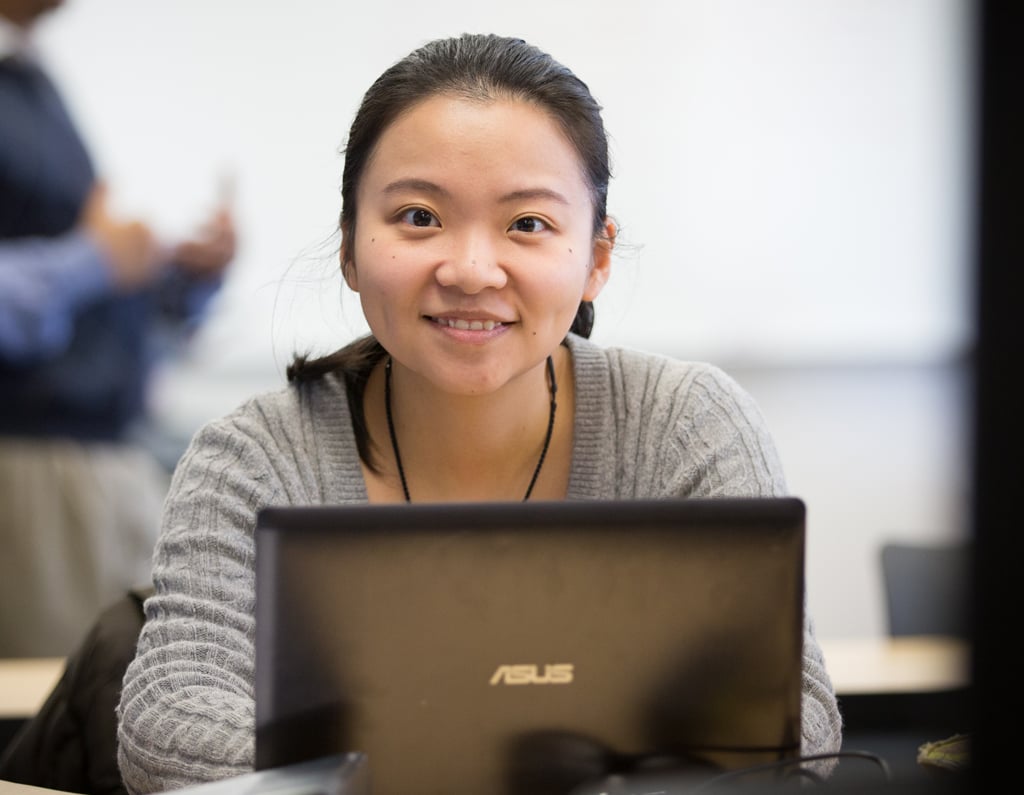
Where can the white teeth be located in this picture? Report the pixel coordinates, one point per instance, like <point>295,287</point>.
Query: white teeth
<point>475,325</point>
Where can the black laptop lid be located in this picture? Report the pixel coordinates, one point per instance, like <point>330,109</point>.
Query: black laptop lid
<point>529,647</point>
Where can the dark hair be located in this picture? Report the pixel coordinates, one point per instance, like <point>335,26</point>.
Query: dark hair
<point>479,67</point>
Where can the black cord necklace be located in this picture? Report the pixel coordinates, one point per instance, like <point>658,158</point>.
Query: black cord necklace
<point>552,385</point>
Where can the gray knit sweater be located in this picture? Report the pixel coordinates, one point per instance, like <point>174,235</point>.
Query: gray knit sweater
<point>645,426</point>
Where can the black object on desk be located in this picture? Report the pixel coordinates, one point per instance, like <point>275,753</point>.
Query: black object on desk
<point>895,726</point>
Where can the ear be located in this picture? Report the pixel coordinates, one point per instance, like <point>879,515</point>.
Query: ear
<point>348,263</point>
<point>601,264</point>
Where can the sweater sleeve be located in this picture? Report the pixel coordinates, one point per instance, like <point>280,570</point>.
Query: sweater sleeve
<point>187,709</point>
<point>43,284</point>
<point>820,720</point>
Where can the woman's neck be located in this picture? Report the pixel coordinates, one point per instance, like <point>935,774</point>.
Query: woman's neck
<point>462,448</point>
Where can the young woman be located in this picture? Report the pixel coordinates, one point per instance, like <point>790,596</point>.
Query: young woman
<point>474,229</point>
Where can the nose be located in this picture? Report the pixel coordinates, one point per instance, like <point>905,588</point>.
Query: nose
<point>472,265</point>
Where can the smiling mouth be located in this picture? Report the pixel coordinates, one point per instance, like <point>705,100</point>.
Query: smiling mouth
<point>467,325</point>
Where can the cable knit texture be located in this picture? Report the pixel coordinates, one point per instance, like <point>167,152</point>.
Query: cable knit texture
<point>646,426</point>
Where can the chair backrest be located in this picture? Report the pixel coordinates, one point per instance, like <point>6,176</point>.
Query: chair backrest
<point>927,588</point>
<point>71,743</point>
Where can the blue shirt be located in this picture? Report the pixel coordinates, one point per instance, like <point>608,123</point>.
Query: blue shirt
<point>43,282</point>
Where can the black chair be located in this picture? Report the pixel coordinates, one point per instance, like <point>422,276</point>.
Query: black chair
<point>926,588</point>
<point>71,743</point>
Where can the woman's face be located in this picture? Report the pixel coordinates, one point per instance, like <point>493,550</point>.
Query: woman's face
<point>474,243</point>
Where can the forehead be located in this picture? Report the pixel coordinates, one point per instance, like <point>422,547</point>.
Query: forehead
<point>497,138</point>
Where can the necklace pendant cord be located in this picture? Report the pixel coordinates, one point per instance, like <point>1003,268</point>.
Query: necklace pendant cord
<point>553,388</point>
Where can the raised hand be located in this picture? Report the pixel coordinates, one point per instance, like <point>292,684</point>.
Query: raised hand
<point>130,247</point>
<point>212,248</point>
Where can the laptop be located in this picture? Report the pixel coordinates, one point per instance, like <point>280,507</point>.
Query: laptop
<point>537,647</point>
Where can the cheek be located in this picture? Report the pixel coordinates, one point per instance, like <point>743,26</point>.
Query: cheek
<point>577,270</point>
<point>593,282</point>
<point>391,281</point>
<point>377,293</point>
<point>560,285</point>
<point>374,277</point>
<point>377,264</point>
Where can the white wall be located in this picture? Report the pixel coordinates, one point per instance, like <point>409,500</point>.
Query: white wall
<point>791,179</point>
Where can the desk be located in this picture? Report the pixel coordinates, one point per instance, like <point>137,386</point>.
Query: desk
<point>921,664</point>
<point>896,693</point>
<point>341,774</point>
<point>25,684</point>
<point>10,788</point>
<point>856,665</point>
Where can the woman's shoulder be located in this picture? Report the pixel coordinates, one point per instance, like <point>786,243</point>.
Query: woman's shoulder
<point>658,371</point>
<point>686,427</point>
<point>278,419</point>
<point>290,401</point>
<point>283,438</point>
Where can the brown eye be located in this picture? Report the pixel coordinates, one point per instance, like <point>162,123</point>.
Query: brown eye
<point>417,216</point>
<point>528,224</point>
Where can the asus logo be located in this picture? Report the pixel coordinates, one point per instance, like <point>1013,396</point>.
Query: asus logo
<point>557,674</point>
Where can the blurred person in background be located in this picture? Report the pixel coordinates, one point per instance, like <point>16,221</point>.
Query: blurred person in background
<point>88,300</point>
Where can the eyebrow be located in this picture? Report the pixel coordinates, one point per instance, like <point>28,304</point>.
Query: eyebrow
<point>535,193</point>
<point>412,183</point>
<point>426,186</point>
